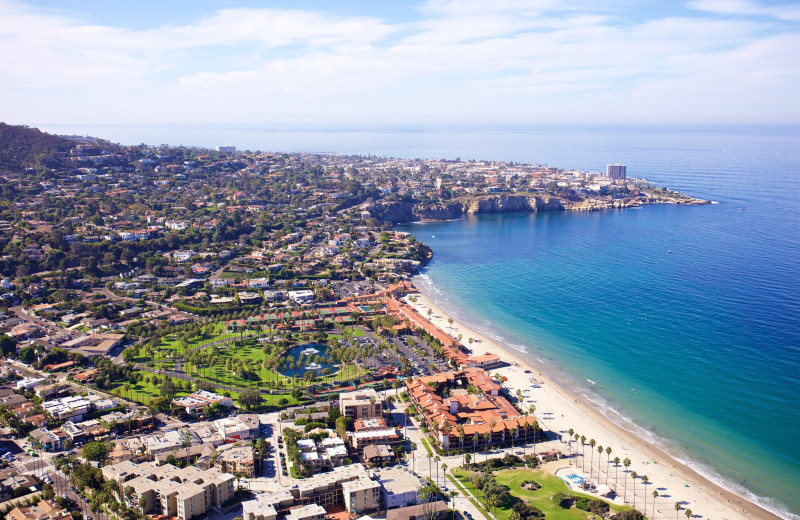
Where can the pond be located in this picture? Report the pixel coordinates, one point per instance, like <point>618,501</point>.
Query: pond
<point>307,353</point>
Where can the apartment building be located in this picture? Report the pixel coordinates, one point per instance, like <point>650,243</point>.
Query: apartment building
<point>171,491</point>
<point>361,404</point>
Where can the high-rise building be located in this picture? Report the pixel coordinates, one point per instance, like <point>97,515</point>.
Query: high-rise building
<point>616,171</point>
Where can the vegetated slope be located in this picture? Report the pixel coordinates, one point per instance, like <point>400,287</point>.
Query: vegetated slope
<point>24,147</point>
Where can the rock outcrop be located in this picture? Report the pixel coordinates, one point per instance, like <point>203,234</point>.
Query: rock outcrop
<point>456,208</point>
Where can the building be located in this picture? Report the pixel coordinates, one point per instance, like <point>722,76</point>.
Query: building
<point>170,491</point>
<point>360,440</point>
<point>361,495</point>
<point>348,486</point>
<point>238,427</point>
<point>474,405</point>
<point>197,401</point>
<point>267,505</point>
<point>616,171</point>
<point>226,149</point>
<point>72,408</point>
<point>430,511</point>
<point>307,512</point>
<point>377,454</point>
<point>361,404</point>
<point>399,488</point>
<point>239,460</point>
<point>44,510</point>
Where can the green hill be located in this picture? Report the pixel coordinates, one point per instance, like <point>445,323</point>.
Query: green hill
<point>24,147</point>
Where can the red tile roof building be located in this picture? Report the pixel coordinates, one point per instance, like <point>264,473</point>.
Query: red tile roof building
<point>459,418</point>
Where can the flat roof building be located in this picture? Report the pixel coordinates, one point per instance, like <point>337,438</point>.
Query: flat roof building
<point>617,172</point>
<point>361,404</point>
<point>399,488</point>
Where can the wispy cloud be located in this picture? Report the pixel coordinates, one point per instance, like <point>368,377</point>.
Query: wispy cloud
<point>790,12</point>
<point>459,60</point>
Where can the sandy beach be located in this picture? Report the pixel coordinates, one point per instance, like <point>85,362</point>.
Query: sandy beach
<point>558,411</point>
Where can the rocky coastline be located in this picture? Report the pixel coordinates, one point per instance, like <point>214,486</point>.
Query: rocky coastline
<point>402,212</point>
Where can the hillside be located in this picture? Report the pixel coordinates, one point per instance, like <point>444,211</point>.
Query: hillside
<point>23,147</point>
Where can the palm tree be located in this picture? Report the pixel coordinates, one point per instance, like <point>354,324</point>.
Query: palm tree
<point>634,475</point>
<point>599,454</point>
<point>677,508</point>
<point>436,459</point>
<point>592,443</point>
<point>616,472</point>
<point>512,432</point>
<point>486,436</point>
<point>583,452</point>
<point>571,432</point>
<point>645,480</point>
<point>461,436</point>
<point>655,495</point>
<point>688,513</point>
<point>626,463</point>
<point>142,503</point>
<point>608,456</point>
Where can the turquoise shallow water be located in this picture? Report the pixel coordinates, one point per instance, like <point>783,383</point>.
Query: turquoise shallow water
<point>700,347</point>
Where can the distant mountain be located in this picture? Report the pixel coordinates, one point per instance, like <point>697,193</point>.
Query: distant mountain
<point>24,147</point>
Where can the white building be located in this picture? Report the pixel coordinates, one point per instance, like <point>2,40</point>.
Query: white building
<point>301,296</point>
<point>399,488</point>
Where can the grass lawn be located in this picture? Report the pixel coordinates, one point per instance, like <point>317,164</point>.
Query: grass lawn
<point>539,498</point>
<point>427,446</point>
<point>144,392</point>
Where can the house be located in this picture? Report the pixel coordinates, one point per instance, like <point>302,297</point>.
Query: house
<point>430,511</point>
<point>44,510</point>
<point>377,454</point>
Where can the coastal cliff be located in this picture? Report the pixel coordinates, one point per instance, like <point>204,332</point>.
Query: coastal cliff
<point>397,212</point>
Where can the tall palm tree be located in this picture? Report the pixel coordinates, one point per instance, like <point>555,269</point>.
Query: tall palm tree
<point>436,459</point>
<point>655,495</point>
<point>571,432</point>
<point>634,476</point>
<point>677,508</point>
<point>608,457</point>
<point>616,472</point>
<point>599,454</point>
<point>592,444</point>
<point>688,513</point>
<point>626,463</point>
<point>583,452</point>
<point>461,435</point>
<point>645,480</point>
<point>512,432</point>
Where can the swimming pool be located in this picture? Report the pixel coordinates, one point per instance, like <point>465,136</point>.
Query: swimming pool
<point>575,479</point>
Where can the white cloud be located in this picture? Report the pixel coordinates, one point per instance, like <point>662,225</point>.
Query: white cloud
<point>790,12</point>
<point>461,59</point>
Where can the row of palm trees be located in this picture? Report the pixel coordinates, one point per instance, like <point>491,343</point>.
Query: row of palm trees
<point>626,462</point>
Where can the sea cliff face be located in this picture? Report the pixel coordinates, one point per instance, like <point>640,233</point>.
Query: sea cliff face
<point>456,208</point>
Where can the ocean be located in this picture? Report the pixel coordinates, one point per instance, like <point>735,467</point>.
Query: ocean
<point>681,323</point>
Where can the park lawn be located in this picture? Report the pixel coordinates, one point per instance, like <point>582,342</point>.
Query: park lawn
<point>144,392</point>
<point>551,485</point>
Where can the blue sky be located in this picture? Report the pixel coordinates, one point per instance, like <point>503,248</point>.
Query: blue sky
<point>471,61</point>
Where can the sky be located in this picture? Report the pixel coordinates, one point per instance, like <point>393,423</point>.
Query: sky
<point>376,62</point>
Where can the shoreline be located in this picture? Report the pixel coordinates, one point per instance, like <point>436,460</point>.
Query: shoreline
<point>559,410</point>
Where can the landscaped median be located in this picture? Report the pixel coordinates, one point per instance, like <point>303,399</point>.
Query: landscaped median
<point>550,495</point>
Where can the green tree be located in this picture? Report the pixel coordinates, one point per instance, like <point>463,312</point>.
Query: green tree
<point>8,346</point>
<point>168,389</point>
<point>250,398</point>
<point>95,450</point>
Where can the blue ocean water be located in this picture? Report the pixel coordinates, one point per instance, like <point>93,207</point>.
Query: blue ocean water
<point>700,347</point>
